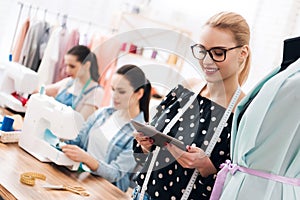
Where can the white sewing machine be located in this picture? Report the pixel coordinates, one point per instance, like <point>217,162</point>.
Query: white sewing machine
<point>46,123</point>
<point>17,78</point>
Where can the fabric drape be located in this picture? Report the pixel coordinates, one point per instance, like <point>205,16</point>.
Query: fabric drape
<point>268,139</point>
<point>20,41</point>
<point>34,44</point>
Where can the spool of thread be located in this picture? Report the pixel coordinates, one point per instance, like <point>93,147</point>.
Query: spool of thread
<point>7,123</point>
<point>132,48</point>
<point>123,46</point>
<point>42,90</point>
<point>139,50</point>
<point>172,60</point>
<point>154,54</point>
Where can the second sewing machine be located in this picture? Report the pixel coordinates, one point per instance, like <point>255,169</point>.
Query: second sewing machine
<point>47,122</point>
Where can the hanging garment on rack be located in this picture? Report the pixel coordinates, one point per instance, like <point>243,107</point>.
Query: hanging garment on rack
<point>51,56</point>
<point>106,48</point>
<point>105,82</point>
<point>95,45</point>
<point>34,44</point>
<point>63,37</point>
<point>72,39</point>
<point>20,41</point>
<point>84,39</point>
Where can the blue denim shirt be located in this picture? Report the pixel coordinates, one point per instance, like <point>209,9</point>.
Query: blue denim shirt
<point>119,160</point>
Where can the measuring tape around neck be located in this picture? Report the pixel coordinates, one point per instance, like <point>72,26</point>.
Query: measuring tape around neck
<point>157,149</point>
<point>222,122</point>
<point>213,141</point>
<point>76,101</point>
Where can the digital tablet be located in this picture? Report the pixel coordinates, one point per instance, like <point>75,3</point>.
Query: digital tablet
<point>159,138</point>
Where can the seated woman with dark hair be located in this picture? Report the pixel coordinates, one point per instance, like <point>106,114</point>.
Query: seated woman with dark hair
<point>104,144</point>
<point>81,89</point>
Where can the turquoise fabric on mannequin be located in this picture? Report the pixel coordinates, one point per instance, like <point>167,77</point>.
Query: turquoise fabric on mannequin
<point>267,139</point>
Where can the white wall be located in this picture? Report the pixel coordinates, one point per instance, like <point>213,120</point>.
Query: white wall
<point>271,21</point>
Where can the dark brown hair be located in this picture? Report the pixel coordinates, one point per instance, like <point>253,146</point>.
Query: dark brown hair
<point>84,55</point>
<point>138,80</point>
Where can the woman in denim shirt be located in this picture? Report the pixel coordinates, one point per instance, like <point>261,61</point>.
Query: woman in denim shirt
<point>104,143</point>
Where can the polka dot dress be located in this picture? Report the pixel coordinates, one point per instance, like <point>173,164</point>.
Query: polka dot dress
<point>196,126</point>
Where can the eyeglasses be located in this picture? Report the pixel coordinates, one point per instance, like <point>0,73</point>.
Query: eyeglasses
<point>217,54</point>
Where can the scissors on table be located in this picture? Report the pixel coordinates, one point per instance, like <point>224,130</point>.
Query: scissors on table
<point>76,189</point>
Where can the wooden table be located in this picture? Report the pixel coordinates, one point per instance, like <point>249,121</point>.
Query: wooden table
<point>14,161</point>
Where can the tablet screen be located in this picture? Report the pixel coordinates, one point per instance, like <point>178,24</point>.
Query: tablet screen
<point>159,138</point>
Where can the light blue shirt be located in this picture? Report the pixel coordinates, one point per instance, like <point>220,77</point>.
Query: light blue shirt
<point>268,139</point>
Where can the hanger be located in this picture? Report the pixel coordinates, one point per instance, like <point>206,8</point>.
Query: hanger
<point>29,11</point>
<point>89,27</point>
<point>34,17</point>
<point>57,16</point>
<point>36,12</point>
<point>45,13</point>
<point>64,21</point>
<point>291,52</point>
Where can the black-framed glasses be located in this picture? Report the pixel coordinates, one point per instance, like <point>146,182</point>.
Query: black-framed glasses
<point>217,54</point>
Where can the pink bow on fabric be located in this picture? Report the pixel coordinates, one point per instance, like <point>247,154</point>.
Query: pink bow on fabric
<point>232,168</point>
<point>221,177</point>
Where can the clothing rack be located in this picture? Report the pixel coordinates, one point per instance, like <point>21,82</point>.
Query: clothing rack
<point>65,17</point>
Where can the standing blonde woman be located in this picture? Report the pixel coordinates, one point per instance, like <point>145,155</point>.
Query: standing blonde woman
<point>224,57</point>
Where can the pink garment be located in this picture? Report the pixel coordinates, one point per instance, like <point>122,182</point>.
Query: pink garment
<point>20,41</point>
<point>95,46</point>
<point>63,37</point>
<point>67,41</point>
<point>105,82</point>
<point>107,50</point>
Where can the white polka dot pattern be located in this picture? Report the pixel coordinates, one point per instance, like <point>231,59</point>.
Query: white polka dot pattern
<point>195,127</point>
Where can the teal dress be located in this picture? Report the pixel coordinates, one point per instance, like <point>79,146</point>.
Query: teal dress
<point>267,138</point>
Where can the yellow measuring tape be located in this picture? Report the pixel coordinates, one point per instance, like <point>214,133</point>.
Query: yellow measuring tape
<point>28,178</point>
